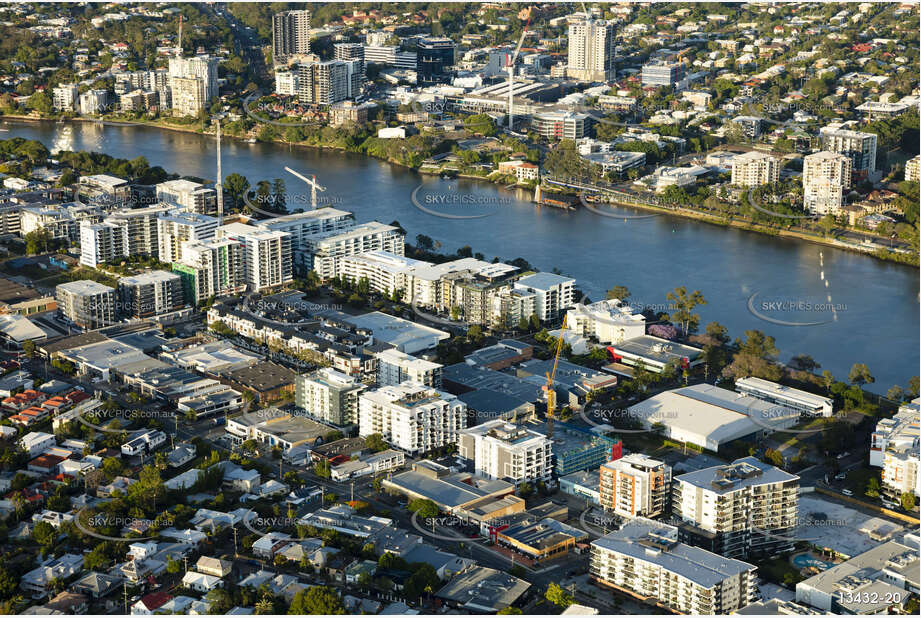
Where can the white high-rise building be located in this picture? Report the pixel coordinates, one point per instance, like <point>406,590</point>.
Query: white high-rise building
<point>412,417</point>
<point>591,50</point>
<point>94,102</point>
<point>746,507</point>
<point>859,147</point>
<point>86,303</point>
<point>395,367</point>
<point>303,224</point>
<point>635,486</point>
<point>329,396</point>
<point>267,260</point>
<point>645,559</point>
<point>102,242</point>
<point>325,83</point>
<point>65,98</point>
<point>608,321</point>
<point>896,448</point>
<point>503,450</point>
<point>825,177</point>
<point>552,293</point>
<point>290,34</point>
<point>149,294</point>
<point>142,226</point>
<point>385,272</point>
<point>326,249</point>
<point>754,168</point>
<point>188,195</point>
<point>177,228</point>
<point>913,169</point>
<point>212,268</point>
<point>193,83</point>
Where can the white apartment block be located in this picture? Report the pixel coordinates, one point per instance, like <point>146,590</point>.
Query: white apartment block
<point>142,227</point>
<point>149,294</point>
<point>753,169</point>
<point>193,82</point>
<point>895,446</point>
<point>93,102</point>
<point>608,321</point>
<point>412,417</point>
<point>826,175</point>
<point>102,242</point>
<point>86,303</point>
<point>212,268</point>
<point>65,98</point>
<point>395,367</point>
<point>635,486</point>
<point>329,396</point>
<point>386,273</point>
<point>552,293</point>
<point>428,284</point>
<point>746,507</point>
<point>502,450</point>
<point>326,249</point>
<point>177,228</point>
<point>913,169</point>
<point>591,50</point>
<point>645,559</point>
<point>823,196</point>
<point>267,260</point>
<point>858,146</point>
<point>189,196</point>
<point>303,224</point>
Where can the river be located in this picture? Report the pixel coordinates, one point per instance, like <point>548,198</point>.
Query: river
<point>836,306</point>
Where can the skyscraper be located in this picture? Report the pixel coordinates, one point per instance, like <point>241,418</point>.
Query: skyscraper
<point>290,34</point>
<point>591,50</point>
<point>324,83</point>
<point>434,61</point>
<point>193,83</point>
<point>825,176</point>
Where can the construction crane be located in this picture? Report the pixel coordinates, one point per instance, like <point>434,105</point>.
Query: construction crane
<point>179,39</point>
<point>314,187</point>
<point>510,65</point>
<point>548,388</point>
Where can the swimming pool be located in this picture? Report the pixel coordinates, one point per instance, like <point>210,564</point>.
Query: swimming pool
<point>806,559</point>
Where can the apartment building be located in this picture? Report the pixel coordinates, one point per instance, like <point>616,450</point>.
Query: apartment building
<point>94,102</point>
<point>607,321</point>
<point>895,446</point>
<point>267,260</point>
<point>327,82</point>
<point>327,249</point>
<point>744,508</point>
<point>412,417</point>
<point>210,269</point>
<point>561,125</point>
<point>635,486</point>
<point>188,195</point>
<point>290,34</point>
<point>826,176</point>
<point>590,53</point>
<point>303,224</point>
<point>86,303</point>
<point>552,293</point>
<point>390,55</point>
<point>395,367</point>
<point>913,169</point>
<point>142,227</point>
<point>65,98</point>
<point>179,227</point>
<point>385,272</point>
<point>754,168</point>
<point>646,560</point>
<point>193,83</point>
<point>859,147</point>
<point>502,450</point>
<point>150,294</point>
<point>329,396</point>
<point>434,61</point>
<point>662,74</point>
<point>103,242</point>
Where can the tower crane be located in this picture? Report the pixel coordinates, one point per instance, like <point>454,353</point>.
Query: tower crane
<point>314,187</point>
<point>548,388</point>
<point>510,66</point>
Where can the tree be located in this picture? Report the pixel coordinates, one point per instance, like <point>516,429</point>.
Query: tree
<point>44,534</point>
<point>873,487</point>
<point>908,501</point>
<point>556,595</point>
<point>423,580</point>
<point>28,347</point>
<point>508,610</point>
<point>316,600</point>
<point>684,305</point>
<point>619,292</point>
<point>423,508</point>
<point>375,443</point>
<point>236,185</point>
<point>860,375</point>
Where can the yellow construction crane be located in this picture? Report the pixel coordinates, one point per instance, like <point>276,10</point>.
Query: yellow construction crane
<point>548,389</point>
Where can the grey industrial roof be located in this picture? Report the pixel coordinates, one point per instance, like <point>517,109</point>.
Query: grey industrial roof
<point>483,378</point>
<point>484,589</point>
<point>447,491</point>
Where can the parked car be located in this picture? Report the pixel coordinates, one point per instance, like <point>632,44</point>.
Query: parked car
<point>847,492</point>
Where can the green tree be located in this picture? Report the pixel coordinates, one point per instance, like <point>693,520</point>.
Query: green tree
<point>316,600</point>
<point>684,304</point>
<point>908,501</point>
<point>860,375</point>
<point>236,185</point>
<point>375,443</point>
<point>619,292</point>
<point>423,507</point>
<point>508,610</point>
<point>556,595</point>
<point>44,534</point>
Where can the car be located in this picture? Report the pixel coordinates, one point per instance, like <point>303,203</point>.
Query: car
<point>847,492</point>
<point>843,455</point>
<point>840,476</point>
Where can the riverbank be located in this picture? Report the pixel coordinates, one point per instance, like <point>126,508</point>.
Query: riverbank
<point>877,252</point>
